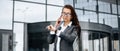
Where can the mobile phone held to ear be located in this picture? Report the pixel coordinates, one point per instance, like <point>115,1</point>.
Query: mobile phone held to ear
<point>58,21</point>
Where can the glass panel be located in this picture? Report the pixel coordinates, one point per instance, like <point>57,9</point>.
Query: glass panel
<point>37,36</point>
<point>119,41</point>
<point>91,42</point>
<point>110,20</point>
<point>104,7</point>
<point>89,16</point>
<point>6,14</point>
<point>53,12</point>
<point>92,16</point>
<point>96,45</point>
<point>90,45</point>
<point>79,14</point>
<point>114,8</point>
<point>18,33</point>
<point>101,44</point>
<point>114,21</point>
<point>5,42</point>
<point>106,44</point>
<point>119,6</point>
<point>116,45</point>
<point>85,42</point>
<point>119,9</point>
<point>89,5</point>
<point>102,18</point>
<point>68,2</point>
<point>40,1</point>
<point>57,2</point>
<point>116,41</point>
<point>84,17</point>
<point>29,12</point>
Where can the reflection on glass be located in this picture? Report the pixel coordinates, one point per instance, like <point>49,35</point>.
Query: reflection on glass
<point>6,14</point>
<point>29,12</point>
<point>53,12</point>
<point>18,31</point>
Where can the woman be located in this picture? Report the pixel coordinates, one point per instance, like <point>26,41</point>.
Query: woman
<point>64,33</point>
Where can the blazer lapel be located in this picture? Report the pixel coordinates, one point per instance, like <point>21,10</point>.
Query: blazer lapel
<point>68,28</point>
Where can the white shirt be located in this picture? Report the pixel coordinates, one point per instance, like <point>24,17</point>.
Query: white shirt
<point>58,34</point>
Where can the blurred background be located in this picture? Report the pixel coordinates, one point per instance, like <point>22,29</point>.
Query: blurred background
<point>23,24</point>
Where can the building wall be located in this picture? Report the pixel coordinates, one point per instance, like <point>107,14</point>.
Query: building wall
<point>31,11</point>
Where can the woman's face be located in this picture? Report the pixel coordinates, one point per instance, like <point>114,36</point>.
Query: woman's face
<point>66,14</point>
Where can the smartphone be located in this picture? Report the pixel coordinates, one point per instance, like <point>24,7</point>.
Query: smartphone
<point>59,19</point>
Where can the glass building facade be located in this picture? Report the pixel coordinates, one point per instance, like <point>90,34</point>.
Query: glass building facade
<point>19,15</point>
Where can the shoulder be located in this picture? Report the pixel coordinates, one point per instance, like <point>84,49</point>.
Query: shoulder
<point>74,26</point>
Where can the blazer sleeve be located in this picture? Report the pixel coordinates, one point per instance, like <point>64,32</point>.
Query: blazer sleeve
<point>51,38</point>
<point>69,37</point>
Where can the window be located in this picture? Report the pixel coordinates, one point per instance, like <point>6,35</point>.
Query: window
<point>89,5</point>
<point>79,14</point>
<point>56,2</point>
<point>111,20</point>
<point>114,8</point>
<point>104,7</point>
<point>29,12</point>
<point>53,13</point>
<point>102,18</point>
<point>119,9</point>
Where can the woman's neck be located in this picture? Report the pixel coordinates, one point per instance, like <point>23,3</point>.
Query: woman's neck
<point>66,23</point>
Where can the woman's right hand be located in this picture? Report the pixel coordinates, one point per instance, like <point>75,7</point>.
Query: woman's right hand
<point>58,21</point>
<point>51,28</point>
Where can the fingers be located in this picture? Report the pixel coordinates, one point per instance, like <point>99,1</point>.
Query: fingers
<point>48,27</point>
<point>51,28</point>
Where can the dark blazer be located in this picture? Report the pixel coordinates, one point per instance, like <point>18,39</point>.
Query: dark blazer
<point>67,38</point>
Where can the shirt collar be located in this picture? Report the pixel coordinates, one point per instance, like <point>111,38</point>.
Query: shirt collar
<point>68,24</point>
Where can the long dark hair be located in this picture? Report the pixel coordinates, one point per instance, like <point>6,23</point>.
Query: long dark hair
<point>74,18</point>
